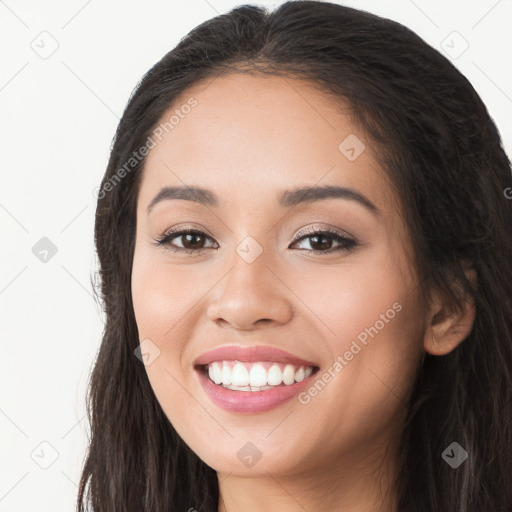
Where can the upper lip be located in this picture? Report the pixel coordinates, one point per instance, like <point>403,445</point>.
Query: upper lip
<point>251,354</point>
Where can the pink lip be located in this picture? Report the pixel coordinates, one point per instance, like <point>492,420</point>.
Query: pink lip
<point>249,401</point>
<point>251,354</point>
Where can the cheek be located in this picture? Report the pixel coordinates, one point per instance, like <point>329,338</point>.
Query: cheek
<point>148,301</point>
<point>354,294</point>
<point>163,302</point>
<point>372,326</point>
<point>164,296</point>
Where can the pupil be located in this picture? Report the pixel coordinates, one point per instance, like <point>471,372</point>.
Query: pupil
<point>193,235</point>
<point>322,246</point>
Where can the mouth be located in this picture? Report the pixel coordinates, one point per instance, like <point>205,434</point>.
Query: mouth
<point>245,379</point>
<point>255,376</point>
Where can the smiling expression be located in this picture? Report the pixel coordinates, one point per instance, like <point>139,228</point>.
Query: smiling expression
<point>268,265</point>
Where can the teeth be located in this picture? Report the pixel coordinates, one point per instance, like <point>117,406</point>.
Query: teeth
<point>256,376</point>
<point>300,374</point>
<point>289,374</point>
<point>226,375</point>
<point>215,373</point>
<point>274,376</point>
<point>247,388</point>
<point>239,375</point>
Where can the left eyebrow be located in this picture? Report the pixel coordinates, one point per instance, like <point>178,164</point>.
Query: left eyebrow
<point>302,195</point>
<point>288,198</point>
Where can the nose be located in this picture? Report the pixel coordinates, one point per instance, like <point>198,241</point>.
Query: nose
<point>251,296</point>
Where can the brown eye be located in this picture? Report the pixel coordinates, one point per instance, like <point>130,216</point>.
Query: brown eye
<point>322,241</point>
<point>191,240</point>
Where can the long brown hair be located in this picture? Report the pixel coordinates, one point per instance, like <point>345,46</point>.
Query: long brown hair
<point>444,157</point>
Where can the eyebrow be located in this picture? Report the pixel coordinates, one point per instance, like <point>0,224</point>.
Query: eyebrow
<point>288,198</point>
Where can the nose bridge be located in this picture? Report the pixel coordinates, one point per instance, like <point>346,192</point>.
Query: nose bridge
<point>250,291</point>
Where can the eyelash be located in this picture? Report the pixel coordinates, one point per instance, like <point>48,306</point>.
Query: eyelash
<point>348,243</point>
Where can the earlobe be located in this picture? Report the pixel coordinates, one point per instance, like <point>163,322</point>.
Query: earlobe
<point>446,328</point>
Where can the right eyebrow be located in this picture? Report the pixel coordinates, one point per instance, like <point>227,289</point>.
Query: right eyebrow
<point>192,193</point>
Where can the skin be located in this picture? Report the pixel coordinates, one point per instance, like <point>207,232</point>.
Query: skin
<point>248,139</point>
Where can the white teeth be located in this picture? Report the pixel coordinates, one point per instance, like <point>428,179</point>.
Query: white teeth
<point>274,375</point>
<point>226,374</point>
<point>239,376</point>
<point>258,376</point>
<point>289,374</point>
<point>217,373</point>
<point>254,377</point>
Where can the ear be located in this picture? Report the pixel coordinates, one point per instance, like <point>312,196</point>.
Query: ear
<point>447,328</point>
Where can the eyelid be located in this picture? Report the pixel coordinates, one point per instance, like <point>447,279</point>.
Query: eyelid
<point>186,227</point>
<point>311,230</point>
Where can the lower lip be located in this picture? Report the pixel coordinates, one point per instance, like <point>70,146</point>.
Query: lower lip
<point>250,401</point>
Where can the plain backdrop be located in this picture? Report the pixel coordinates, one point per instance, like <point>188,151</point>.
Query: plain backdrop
<point>67,70</point>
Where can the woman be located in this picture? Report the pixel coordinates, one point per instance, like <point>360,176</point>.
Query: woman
<point>304,244</point>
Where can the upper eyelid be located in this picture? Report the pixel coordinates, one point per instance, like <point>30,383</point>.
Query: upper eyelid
<point>311,230</point>
<point>303,233</point>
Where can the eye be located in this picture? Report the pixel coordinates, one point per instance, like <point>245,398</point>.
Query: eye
<point>322,241</point>
<point>190,239</point>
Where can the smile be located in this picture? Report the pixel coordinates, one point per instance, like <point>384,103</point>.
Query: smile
<point>252,379</point>
<point>255,376</point>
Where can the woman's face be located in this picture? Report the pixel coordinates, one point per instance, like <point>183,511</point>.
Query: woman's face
<point>255,276</point>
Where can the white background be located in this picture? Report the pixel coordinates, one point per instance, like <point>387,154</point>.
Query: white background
<point>58,118</point>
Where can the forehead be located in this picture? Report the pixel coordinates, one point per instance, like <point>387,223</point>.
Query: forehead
<point>252,135</point>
